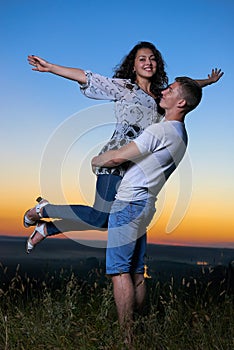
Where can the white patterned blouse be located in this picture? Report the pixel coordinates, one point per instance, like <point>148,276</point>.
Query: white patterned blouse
<point>134,111</point>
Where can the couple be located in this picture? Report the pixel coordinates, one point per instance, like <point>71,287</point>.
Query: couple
<point>154,155</point>
<point>135,90</point>
<point>137,86</point>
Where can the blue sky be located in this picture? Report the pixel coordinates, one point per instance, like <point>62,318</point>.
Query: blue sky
<point>193,37</point>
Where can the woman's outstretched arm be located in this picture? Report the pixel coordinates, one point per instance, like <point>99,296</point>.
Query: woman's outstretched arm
<point>41,65</point>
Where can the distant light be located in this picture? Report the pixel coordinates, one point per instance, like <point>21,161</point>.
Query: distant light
<point>203,263</point>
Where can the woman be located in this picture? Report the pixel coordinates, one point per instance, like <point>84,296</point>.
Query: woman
<point>135,88</point>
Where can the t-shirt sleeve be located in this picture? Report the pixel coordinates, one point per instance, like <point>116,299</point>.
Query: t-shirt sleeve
<point>150,140</point>
<point>102,88</point>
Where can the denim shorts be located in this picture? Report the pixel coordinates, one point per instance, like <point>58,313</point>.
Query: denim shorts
<point>126,245</point>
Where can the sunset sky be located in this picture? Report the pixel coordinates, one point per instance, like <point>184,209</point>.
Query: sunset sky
<point>50,131</point>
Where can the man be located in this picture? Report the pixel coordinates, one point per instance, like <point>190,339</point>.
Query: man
<point>154,155</point>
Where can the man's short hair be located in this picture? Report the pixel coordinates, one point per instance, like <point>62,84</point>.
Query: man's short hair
<point>191,91</point>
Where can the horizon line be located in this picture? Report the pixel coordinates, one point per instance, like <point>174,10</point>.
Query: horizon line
<point>174,244</point>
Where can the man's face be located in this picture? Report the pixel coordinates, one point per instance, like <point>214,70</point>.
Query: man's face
<point>170,96</point>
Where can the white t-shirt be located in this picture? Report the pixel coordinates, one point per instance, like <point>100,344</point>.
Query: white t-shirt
<point>162,147</point>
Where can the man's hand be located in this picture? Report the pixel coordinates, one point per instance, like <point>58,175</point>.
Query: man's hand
<point>93,166</point>
<point>113,158</point>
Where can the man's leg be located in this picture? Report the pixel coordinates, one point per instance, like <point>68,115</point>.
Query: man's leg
<point>139,291</point>
<point>129,293</point>
<point>125,258</point>
<point>124,296</point>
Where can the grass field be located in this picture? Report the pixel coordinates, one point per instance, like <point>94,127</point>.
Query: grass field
<point>63,311</point>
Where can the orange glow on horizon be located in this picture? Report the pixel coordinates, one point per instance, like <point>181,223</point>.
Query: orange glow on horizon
<point>205,225</point>
<point>196,235</point>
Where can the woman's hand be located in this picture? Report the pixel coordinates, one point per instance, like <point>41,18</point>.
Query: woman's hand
<point>215,75</point>
<point>39,64</point>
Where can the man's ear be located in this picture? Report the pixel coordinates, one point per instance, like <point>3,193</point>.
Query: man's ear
<point>182,103</point>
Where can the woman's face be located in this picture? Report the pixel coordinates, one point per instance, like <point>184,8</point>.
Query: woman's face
<point>145,64</point>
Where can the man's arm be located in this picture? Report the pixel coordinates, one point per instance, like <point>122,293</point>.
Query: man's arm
<point>41,65</point>
<point>215,75</point>
<point>114,158</point>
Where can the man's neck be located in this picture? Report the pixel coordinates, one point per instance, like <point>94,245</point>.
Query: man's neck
<point>174,116</point>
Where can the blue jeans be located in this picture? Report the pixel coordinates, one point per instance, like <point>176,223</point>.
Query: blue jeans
<point>82,217</point>
<point>126,243</point>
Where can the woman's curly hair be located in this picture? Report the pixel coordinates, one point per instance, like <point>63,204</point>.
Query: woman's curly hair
<point>124,70</point>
